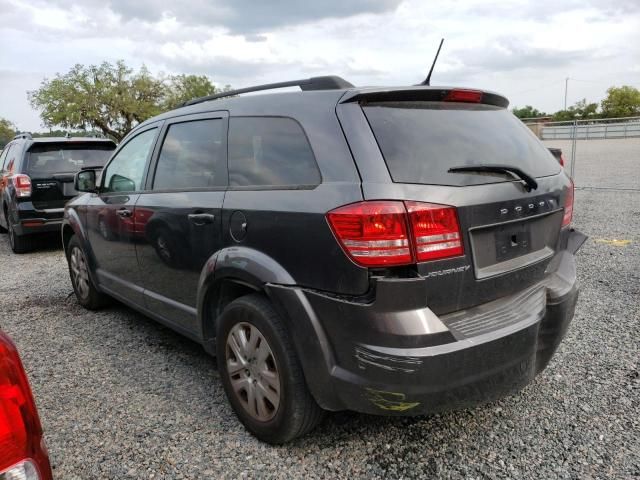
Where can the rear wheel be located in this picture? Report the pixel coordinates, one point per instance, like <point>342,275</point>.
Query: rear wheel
<point>86,292</point>
<point>19,243</point>
<point>261,373</point>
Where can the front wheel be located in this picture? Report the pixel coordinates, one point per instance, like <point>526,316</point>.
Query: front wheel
<point>86,292</point>
<point>261,373</point>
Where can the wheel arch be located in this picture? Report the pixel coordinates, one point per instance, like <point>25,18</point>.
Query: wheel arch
<point>229,274</point>
<point>72,225</point>
<point>237,271</point>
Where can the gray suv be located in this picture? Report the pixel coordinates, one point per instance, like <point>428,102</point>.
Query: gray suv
<point>393,251</point>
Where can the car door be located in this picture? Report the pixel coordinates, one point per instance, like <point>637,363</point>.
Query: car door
<point>110,217</point>
<point>180,214</point>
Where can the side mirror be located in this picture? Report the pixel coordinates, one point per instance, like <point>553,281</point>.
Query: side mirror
<point>85,181</point>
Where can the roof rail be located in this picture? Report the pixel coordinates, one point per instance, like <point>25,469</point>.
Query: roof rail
<point>25,135</point>
<point>329,82</point>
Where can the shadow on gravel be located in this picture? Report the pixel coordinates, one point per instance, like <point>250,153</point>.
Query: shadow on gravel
<point>186,379</point>
<point>46,242</point>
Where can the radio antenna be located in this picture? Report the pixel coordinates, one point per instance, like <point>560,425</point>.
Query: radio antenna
<point>427,81</point>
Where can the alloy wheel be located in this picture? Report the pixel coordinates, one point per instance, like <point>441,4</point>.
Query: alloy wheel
<point>253,371</point>
<point>79,272</point>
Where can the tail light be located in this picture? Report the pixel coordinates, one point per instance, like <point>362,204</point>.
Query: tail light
<point>373,233</point>
<point>463,95</point>
<point>387,233</point>
<point>435,229</point>
<point>568,206</point>
<point>22,183</point>
<point>22,451</point>
<point>562,159</point>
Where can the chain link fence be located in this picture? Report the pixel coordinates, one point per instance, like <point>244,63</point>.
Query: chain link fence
<point>599,154</point>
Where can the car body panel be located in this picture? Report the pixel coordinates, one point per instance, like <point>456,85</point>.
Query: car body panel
<point>385,340</point>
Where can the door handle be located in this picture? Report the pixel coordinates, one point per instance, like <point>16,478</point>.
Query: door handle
<point>200,219</point>
<point>123,212</point>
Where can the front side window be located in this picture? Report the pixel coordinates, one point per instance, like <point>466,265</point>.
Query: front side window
<point>270,151</point>
<point>125,173</point>
<point>193,156</point>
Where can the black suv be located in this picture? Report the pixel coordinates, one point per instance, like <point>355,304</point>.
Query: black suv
<point>394,251</point>
<point>36,180</point>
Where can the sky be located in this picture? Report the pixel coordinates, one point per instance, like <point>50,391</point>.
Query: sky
<point>523,49</point>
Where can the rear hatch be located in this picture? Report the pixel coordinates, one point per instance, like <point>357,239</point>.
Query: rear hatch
<point>52,166</point>
<point>509,230</point>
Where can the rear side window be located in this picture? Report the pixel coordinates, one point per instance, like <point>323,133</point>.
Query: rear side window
<point>270,151</point>
<point>47,159</point>
<point>9,154</point>
<point>421,141</point>
<point>3,157</point>
<point>192,156</point>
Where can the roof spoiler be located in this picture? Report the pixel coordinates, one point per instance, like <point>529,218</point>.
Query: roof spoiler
<point>421,93</point>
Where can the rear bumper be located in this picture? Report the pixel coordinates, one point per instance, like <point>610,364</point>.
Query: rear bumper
<point>31,220</point>
<point>459,374</point>
<point>395,357</point>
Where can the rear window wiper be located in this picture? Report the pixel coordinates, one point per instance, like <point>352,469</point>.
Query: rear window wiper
<point>528,180</point>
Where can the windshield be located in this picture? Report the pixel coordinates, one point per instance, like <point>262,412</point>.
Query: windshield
<point>51,159</point>
<point>421,141</point>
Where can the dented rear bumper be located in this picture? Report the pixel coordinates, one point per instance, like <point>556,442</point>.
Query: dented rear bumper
<point>393,356</point>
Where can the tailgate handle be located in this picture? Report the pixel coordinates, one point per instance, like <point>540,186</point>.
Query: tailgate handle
<point>123,212</point>
<point>201,218</point>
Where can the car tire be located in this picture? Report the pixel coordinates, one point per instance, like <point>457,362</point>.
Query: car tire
<point>271,362</point>
<point>86,292</point>
<point>19,243</point>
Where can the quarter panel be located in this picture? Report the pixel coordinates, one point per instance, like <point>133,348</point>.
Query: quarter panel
<point>290,227</point>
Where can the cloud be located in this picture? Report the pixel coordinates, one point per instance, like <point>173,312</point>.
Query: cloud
<point>544,10</point>
<point>516,47</point>
<point>249,17</point>
<point>511,53</point>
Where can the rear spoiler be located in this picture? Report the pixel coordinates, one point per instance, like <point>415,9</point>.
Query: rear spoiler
<point>425,94</point>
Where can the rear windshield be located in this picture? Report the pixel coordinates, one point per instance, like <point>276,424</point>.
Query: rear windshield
<point>52,158</point>
<point>421,141</point>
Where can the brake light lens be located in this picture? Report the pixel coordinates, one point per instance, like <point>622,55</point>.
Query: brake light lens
<point>387,233</point>
<point>435,230</point>
<point>373,233</point>
<point>22,451</point>
<point>463,95</point>
<point>568,206</point>
<point>562,159</point>
<point>22,183</point>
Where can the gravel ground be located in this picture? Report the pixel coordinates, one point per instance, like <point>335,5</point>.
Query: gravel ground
<point>123,397</point>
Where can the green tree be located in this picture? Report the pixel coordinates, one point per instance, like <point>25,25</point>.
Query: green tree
<point>621,102</point>
<point>580,110</point>
<point>181,88</point>
<point>528,112</point>
<point>7,132</point>
<point>110,97</point>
